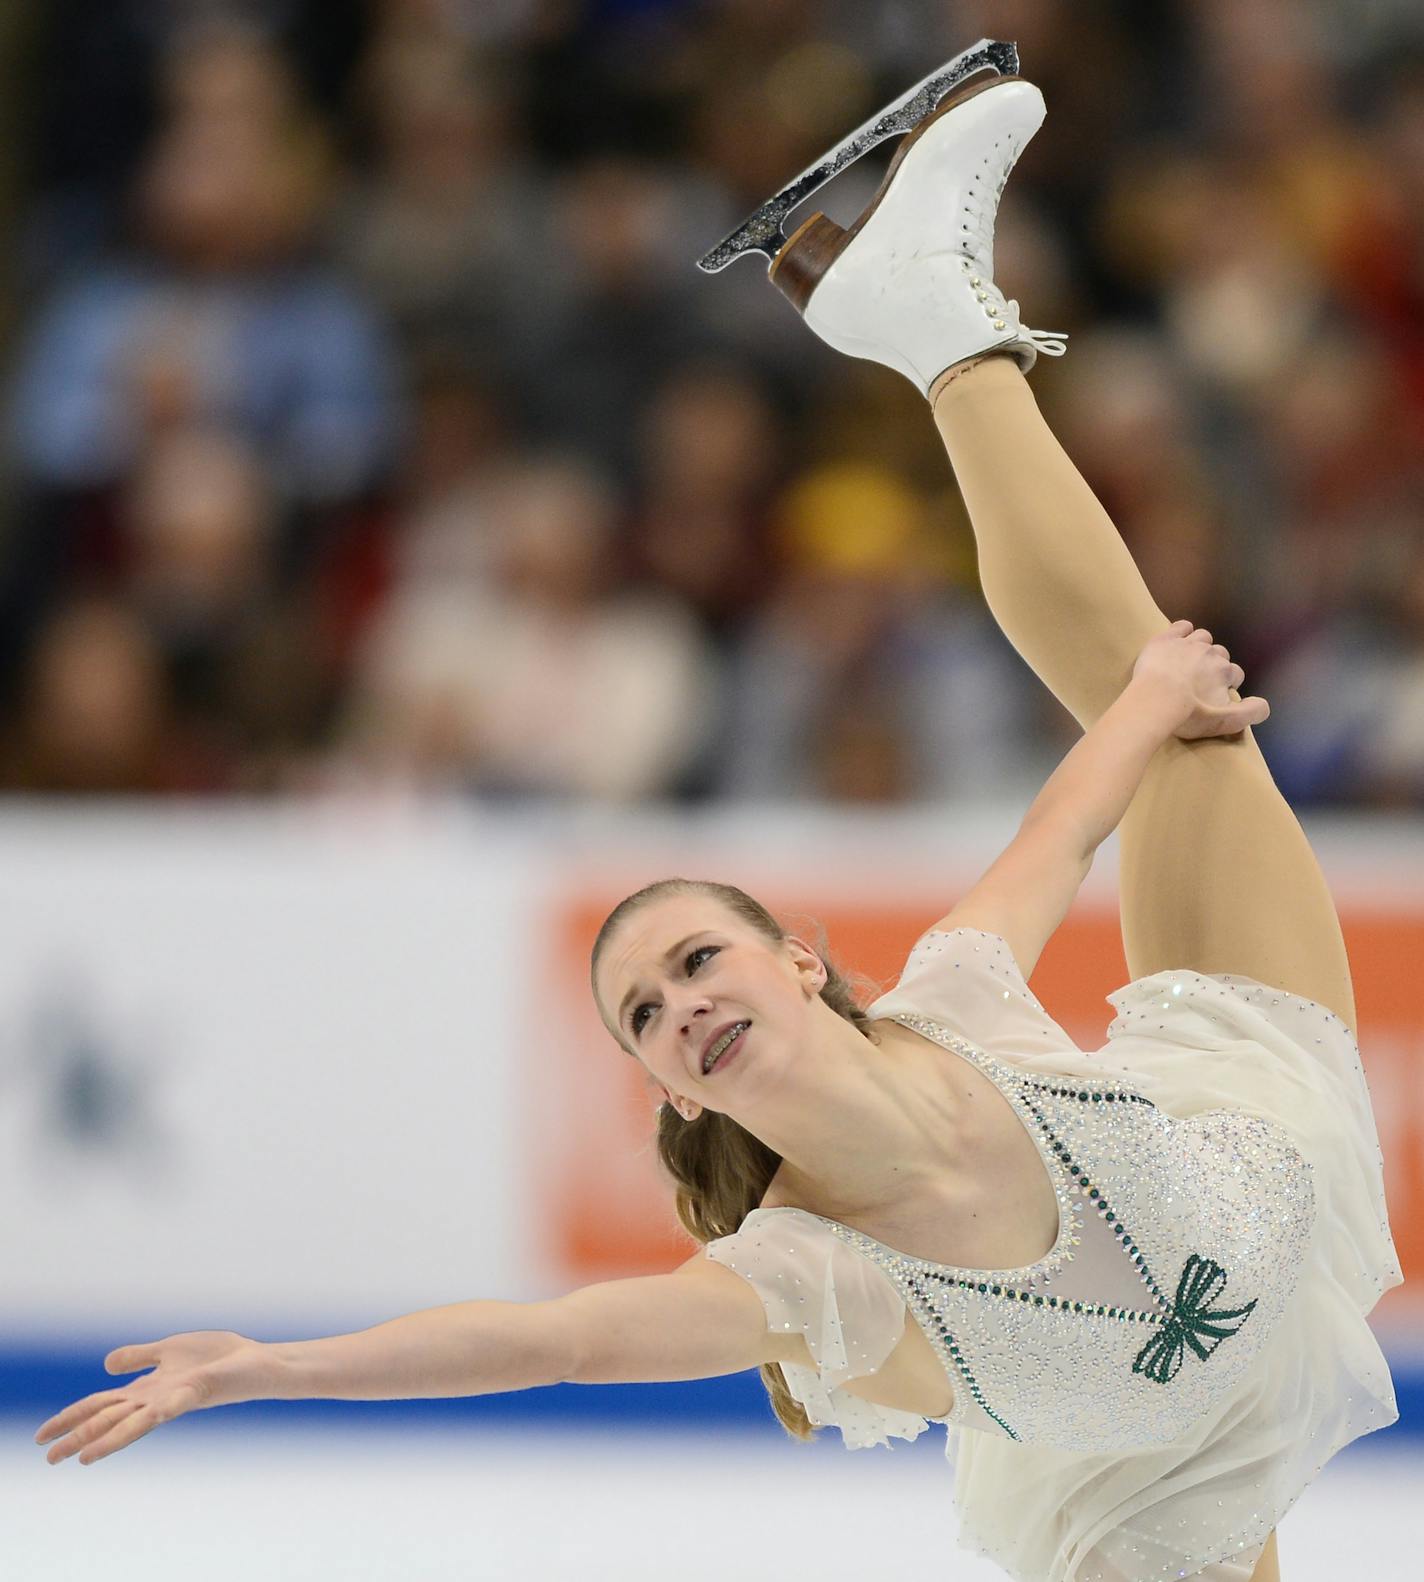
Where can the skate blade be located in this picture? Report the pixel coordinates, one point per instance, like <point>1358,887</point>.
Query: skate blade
<point>763,233</point>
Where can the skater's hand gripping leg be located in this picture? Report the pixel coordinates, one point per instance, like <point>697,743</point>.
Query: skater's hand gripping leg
<point>1199,677</point>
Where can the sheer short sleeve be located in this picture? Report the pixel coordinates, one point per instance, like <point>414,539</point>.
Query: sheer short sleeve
<point>851,1314</point>
<point>969,980</point>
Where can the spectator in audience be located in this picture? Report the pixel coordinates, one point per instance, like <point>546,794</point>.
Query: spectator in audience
<point>1380,264</point>
<point>216,316</point>
<point>709,452</point>
<point>245,672</point>
<point>1339,470</point>
<point>1346,699</point>
<point>439,235</point>
<point>863,612</point>
<point>493,221</point>
<point>554,682</point>
<point>94,710</point>
<point>1395,755</point>
<point>615,306</point>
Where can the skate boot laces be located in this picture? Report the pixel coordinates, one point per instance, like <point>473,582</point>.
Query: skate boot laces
<point>976,230</point>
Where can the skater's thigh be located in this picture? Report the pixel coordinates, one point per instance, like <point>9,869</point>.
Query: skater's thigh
<point>1217,876</point>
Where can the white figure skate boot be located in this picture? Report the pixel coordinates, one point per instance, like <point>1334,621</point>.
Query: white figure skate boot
<point>911,283</point>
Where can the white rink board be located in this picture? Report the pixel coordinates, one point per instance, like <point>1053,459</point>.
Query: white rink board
<point>299,1080</point>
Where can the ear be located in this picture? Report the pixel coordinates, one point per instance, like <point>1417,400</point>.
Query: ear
<point>689,1109</point>
<point>807,963</point>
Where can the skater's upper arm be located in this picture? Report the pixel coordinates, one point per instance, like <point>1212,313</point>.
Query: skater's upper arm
<point>697,1322</point>
<point>1027,891</point>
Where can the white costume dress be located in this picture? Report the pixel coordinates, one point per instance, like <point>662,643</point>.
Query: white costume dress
<point>1147,1400</point>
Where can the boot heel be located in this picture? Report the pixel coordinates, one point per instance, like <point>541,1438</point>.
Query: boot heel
<point>805,256</point>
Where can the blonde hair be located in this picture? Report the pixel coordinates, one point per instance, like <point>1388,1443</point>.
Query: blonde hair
<point>719,1169</point>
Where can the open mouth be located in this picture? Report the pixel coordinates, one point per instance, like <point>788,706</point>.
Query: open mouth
<point>726,1045</point>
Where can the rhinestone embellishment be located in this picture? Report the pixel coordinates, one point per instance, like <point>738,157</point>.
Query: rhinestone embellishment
<point>1056,1352</point>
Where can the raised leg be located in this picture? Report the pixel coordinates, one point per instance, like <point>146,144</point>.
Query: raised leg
<point>1216,872</point>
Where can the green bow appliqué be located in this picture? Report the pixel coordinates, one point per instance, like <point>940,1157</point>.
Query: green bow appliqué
<point>1193,1323</point>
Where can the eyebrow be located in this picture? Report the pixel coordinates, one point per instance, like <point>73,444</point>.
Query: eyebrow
<point>667,957</point>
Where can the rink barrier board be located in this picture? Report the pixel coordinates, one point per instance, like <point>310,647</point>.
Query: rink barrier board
<point>454,1121</point>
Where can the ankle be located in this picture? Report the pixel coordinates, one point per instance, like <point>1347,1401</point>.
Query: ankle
<point>953,375</point>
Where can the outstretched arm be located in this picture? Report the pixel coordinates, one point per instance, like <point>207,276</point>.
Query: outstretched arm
<point>699,1321</point>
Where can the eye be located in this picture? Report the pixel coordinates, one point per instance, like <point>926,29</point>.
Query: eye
<point>635,1021</point>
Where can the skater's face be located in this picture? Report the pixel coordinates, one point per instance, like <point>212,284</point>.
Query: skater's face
<point>677,971</point>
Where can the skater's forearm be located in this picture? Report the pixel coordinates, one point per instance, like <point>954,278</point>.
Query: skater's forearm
<point>1093,786</point>
<point>468,1348</point>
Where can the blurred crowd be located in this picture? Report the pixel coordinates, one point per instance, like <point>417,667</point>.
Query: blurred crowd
<point>370,431</point>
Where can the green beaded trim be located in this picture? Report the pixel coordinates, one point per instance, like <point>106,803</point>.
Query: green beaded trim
<point>1086,1094</point>
<point>952,1347</point>
<point>1119,1230</point>
<point>1016,1294</point>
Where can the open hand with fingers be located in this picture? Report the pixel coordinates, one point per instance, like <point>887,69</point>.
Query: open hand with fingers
<point>209,1367</point>
<point>1196,677</point>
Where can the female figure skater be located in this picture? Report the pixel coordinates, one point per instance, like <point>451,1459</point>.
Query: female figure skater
<point>1132,1282</point>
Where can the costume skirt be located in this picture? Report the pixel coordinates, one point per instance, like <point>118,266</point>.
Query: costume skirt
<point>1205,1504</point>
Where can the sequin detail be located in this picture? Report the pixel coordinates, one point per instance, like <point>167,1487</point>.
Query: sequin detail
<point>1048,1352</point>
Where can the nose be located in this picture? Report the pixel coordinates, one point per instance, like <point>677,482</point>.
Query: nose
<point>699,1007</point>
